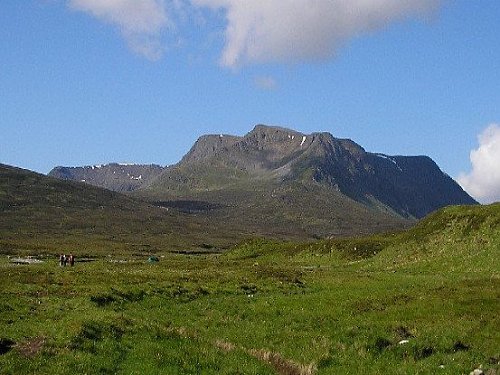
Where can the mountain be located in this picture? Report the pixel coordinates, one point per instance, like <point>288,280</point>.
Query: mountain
<point>277,182</point>
<point>407,186</point>
<point>114,176</point>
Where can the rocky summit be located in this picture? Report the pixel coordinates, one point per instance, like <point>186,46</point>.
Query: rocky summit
<point>408,186</point>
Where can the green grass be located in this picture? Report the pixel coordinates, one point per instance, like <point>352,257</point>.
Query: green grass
<point>329,307</point>
<point>205,315</point>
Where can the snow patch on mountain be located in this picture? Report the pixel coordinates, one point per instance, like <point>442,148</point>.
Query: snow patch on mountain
<point>386,157</point>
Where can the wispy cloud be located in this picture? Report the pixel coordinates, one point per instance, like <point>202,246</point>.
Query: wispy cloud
<point>141,22</point>
<point>302,30</point>
<point>265,83</point>
<point>483,182</point>
<point>257,30</point>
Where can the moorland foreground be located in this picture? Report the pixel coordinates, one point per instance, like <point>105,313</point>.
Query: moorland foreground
<point>423,301</point>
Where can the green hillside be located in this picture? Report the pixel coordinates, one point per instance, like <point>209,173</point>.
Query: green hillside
<point>292,210</point>
<point>40,214</point>
<point>461,238</point>
<point>424,301</point>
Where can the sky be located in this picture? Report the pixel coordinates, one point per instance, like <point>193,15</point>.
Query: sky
<point>86,82</point>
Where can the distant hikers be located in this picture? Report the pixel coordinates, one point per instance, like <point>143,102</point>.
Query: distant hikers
<point>64,260</point>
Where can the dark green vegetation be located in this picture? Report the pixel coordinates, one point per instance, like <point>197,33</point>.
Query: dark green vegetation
<point>288,210</point>
<point>424,301</point>
<point>39,214</point>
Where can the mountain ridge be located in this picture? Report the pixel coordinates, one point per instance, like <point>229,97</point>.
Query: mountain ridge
<point>411,186</point>
<point>119,177</point>
<point>277,180</point>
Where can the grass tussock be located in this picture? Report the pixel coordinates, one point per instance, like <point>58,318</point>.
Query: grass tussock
<point>282,365</point>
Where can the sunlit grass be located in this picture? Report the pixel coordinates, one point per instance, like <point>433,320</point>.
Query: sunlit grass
<point>425,301</point>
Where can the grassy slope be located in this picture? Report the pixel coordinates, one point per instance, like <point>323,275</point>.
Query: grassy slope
<point>337,306</point>
<point>39,214</point>
<point>455,239</point>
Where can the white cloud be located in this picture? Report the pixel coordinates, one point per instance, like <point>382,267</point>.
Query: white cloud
<point>257,30</point>
<point>302,30</point>
<point>265,82</point>
<point>483,182</point>
<point>140,21</point>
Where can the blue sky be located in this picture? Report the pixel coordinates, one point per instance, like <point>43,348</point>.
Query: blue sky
<point>95,81</point>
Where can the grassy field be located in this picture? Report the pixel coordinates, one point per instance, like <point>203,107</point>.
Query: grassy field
<point>426,301</point>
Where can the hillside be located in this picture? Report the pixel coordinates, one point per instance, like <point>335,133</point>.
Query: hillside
<point>42,214</point>
<point>288,209</point>
<point>453,239</point>
<point>459,238</point>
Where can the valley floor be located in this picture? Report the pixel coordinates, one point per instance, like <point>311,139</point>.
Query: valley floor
<point>245,313</point>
